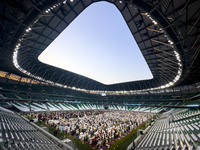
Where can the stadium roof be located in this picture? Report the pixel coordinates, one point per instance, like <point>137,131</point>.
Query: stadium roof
<point>167,33</point>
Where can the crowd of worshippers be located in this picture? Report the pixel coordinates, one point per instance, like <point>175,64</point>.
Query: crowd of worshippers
<point>96,126</point>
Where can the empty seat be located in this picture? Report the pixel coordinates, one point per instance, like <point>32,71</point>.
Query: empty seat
<point>184,147</point>
<point>166,148</point>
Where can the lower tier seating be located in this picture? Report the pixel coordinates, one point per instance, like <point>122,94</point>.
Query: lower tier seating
<point>32,106</point>
<point>18,134</point>
<point>168,135</point>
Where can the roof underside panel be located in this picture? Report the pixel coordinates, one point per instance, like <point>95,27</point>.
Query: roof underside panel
<point>177,19</point>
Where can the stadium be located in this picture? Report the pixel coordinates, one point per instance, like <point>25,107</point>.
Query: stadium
<point>47,107</point>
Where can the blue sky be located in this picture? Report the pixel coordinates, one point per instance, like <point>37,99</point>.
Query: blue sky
<point>98,44</point>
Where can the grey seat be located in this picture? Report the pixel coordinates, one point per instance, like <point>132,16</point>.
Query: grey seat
<point>172,148</point>
<point>166,148</point>
<point>184,147</point>
<point>178,148</point>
